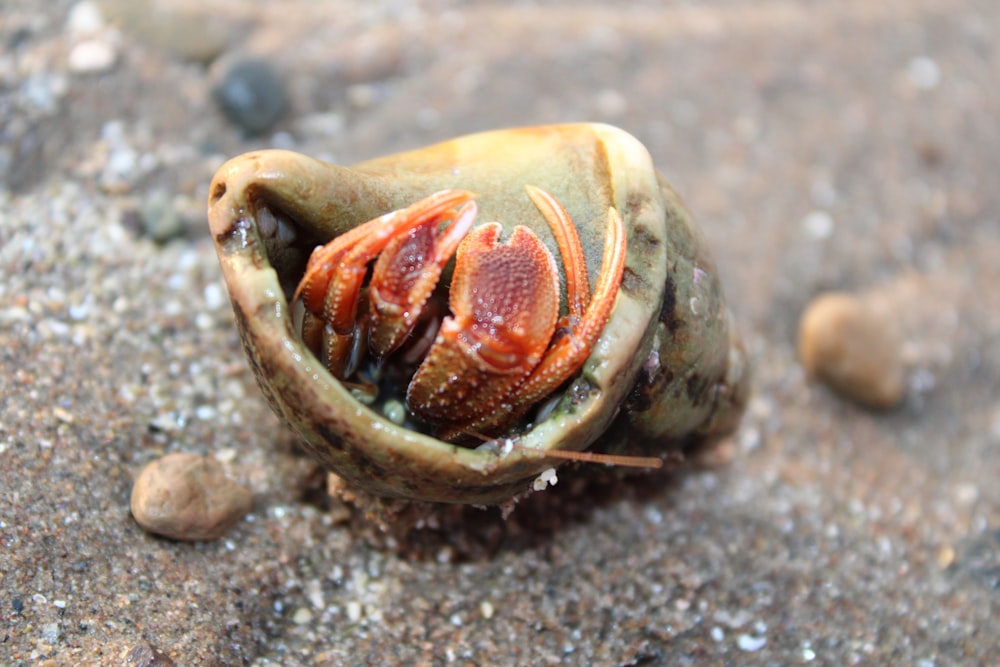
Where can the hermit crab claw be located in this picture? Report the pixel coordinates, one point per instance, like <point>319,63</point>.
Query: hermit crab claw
<point>405,276</point>
<point>397,321</point>
<point>412,253</point>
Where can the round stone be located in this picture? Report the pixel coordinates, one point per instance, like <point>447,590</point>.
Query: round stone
<point>251,95</point>
<point>854,348</point>
<point>188,497</point>
<point>92,56</point>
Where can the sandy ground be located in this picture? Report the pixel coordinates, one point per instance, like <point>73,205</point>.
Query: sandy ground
<point>849,145</point>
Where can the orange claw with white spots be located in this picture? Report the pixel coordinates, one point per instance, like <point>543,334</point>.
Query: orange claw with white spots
<point>505,302</point>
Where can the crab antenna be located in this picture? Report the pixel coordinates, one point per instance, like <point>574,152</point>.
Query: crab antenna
<point>650,462</point>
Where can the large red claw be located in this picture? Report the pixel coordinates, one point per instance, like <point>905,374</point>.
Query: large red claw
<point>569,352</point>
<point>505,303</point>
<point>587,317</point>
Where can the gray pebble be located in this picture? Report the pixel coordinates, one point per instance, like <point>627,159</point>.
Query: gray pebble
<point>251,95</point>
<point>147,655</point>
<point>161,221</point>
<point>51,633</point>
<point>195,36</point>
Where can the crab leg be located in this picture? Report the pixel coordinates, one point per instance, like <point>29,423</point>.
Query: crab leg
<point>340,353</point>
<point>577,284</point>
<point>568,353</point>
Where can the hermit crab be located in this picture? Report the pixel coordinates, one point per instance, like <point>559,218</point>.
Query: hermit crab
<point>447,324</point>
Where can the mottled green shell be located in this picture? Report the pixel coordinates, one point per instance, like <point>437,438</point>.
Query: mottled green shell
<point>666,368</point>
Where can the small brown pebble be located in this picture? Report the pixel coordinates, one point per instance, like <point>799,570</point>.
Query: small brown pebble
<point>147,655</point>
<point>854,348</point>
<point>188,497</point>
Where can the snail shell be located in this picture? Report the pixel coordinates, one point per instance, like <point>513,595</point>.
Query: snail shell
<point>666,370</point>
